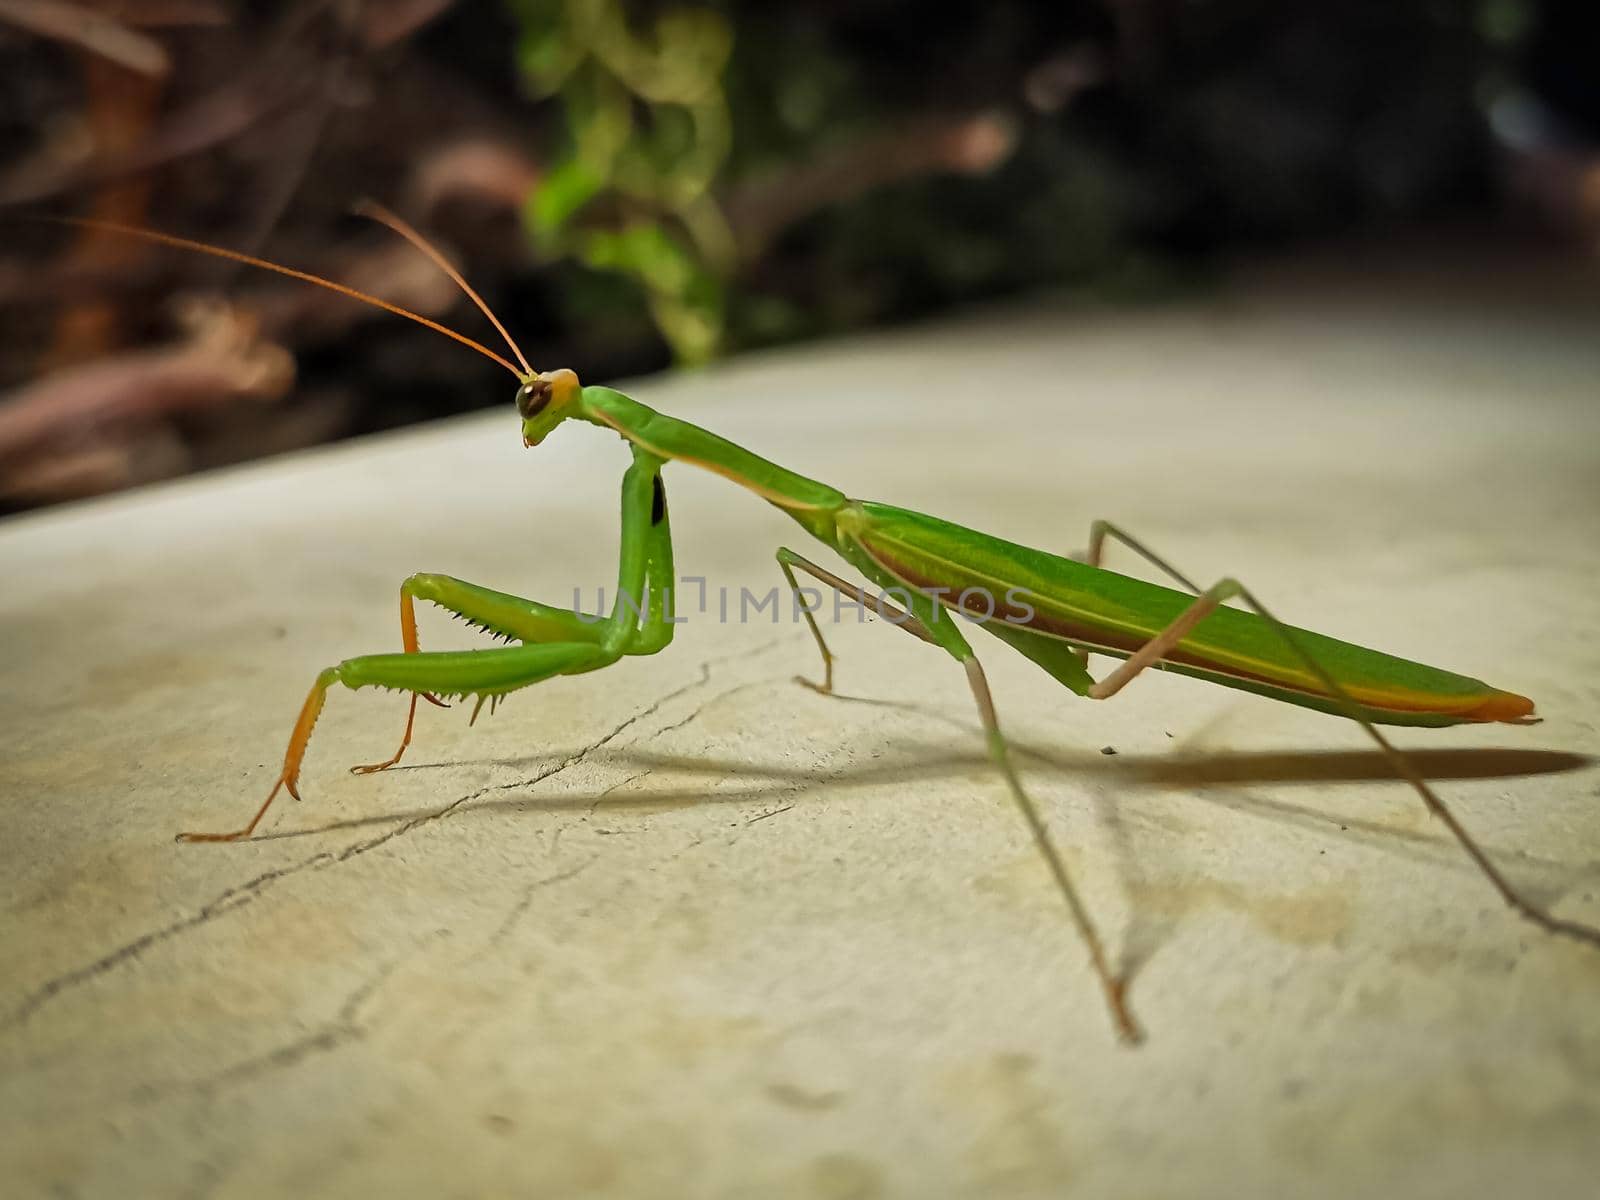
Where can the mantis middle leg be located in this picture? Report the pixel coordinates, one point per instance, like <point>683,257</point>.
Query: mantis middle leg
<point>926,621</point>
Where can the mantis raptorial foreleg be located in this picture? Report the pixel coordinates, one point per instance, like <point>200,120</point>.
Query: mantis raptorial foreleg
<point>500,613</point>
<point>408,642</point>
<point>1225,589</point>
<point>555,641</point>
<point>444,672</point>
<point>928,622</point>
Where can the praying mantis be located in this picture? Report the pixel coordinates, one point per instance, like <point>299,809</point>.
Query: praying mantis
<point>1053,610</point>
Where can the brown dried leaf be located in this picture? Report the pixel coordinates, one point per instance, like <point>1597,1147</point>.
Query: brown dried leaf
<point>91,30</point>
<point>100,402</point>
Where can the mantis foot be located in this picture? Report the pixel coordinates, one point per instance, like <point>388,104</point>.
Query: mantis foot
<point>405,738</point>
<point>825,688</point>
<point>287,780</point>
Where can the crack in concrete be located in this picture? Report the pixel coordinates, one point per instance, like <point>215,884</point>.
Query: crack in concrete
<point>595,804</point>
<point>717,699</point>
<point>227,901</point>
<point>526,902</point>
<point>617,787</point>
<point>242,894</point>
<point>345,1027</point>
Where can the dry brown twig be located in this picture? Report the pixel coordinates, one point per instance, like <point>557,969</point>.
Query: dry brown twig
<point>80,429</point>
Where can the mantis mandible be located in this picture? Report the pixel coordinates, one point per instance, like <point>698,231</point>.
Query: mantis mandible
<point>1052,610</point>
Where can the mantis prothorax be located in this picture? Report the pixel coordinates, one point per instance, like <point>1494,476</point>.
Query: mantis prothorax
<point>1053,610</point>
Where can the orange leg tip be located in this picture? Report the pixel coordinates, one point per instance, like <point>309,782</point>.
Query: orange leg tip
<point>432,699</point>
<point>1127,1028</point>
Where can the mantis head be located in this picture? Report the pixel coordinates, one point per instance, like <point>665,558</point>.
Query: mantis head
<point>544,401</point>
<point>544,398</point>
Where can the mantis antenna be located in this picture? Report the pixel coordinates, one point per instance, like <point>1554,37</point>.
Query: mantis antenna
<point>181,243</point>
<point>380,214</point>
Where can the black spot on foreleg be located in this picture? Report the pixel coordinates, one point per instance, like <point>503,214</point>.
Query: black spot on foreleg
<point>658,500</point>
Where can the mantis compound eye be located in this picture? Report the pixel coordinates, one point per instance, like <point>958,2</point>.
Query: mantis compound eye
<point>532,397</point>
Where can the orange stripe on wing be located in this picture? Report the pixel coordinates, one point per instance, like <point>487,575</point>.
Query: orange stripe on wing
<point>1492,705</point>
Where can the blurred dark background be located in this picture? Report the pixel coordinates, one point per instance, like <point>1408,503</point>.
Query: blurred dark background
<point>646,183</point>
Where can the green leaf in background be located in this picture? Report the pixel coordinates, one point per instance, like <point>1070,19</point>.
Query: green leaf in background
<point>545,54</point>
<point>559,196</point>
<point>648,129</point>
<point>685,297</point>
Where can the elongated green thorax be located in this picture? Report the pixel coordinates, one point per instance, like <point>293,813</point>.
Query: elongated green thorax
<point>807,501</point>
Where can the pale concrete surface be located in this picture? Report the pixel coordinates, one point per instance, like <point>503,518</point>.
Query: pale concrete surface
<point>684,928</point>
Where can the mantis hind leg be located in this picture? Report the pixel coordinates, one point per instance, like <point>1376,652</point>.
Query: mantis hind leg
<point>1095,554</point>
<point>931,624</point>
<point>1206,601</point>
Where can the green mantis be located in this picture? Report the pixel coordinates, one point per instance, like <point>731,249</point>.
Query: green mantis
<point>1053,610</point>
